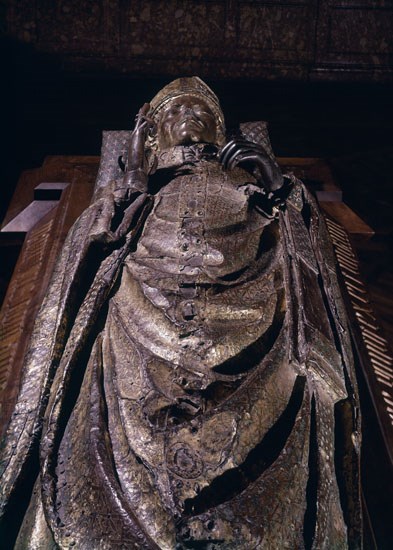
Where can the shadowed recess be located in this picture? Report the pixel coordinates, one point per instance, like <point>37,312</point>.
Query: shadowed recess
<point>310,517</point>
<point>250,357</point>
<point>230,484</point>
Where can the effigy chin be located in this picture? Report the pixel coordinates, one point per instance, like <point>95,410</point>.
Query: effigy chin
<point>190,380</point>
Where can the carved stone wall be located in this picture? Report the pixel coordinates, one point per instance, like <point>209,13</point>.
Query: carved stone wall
<point>354,37</point>
<point>290,39</point>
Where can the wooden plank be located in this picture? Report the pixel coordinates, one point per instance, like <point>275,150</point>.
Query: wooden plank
<point>346,217</point>
<point>35,264</point>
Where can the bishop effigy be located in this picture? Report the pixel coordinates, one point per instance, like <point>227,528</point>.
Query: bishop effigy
<point>190,380</point>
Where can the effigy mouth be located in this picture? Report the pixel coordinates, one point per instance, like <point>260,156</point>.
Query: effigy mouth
<point>193,120</point>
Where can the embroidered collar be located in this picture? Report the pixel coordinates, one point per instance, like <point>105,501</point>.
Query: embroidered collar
<point>183,154</point>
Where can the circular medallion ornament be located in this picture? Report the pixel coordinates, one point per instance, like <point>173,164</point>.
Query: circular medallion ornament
<point>183,461</point>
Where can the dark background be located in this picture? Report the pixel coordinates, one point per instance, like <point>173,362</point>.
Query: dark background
<point>320,71</point>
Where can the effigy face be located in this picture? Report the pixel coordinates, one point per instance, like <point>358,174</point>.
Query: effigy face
<point>186,120</point>
<point>204,396</point>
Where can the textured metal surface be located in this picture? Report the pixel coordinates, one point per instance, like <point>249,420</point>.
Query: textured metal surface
<point>190,379</point>
<point>114,145</point>
<point>258,133</point>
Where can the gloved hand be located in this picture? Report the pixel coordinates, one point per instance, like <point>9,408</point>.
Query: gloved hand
<point>263,167</point>
<point>136,168</point>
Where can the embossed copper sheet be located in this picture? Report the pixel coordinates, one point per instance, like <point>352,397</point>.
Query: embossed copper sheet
<point>201,383</point>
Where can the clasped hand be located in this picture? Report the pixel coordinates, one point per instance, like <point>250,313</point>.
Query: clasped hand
<point>264,168</point>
